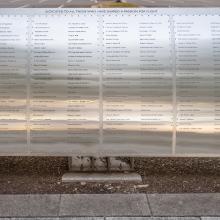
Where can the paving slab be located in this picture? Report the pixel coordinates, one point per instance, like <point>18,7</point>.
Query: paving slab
<point>34,218</point>
<point>13,205</point>
<point>153,218</point>
<point>29,205</point>
<point>115,218</point>
<point>44,205</point>
<point>81,218</point>
<point>110,218</point>
<point>193,204</point>
<point>210,218</point>
<point>104,205</point>
<point>55,218</point>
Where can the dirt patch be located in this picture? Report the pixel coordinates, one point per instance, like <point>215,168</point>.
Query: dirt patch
<point>160,175</point>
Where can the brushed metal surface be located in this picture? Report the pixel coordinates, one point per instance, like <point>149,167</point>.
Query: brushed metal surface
<point>197,71</point>
<point>64,85</point>
<point>137,82</point>
<point>110,82</point>
<point>13,62</point>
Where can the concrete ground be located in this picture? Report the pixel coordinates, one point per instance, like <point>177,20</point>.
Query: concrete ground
<point>111,206</point>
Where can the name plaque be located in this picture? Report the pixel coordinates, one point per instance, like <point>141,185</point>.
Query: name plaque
<point>110,82</point>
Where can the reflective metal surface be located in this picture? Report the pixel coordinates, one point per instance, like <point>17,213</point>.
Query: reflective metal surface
<point>13,73</point>
<point>137,83</point>
<point>110,82</point>
<point>64,79</point>
<point>197,72</point>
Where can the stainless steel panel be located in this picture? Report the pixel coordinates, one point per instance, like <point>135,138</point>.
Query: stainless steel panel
<point>197,70</point>
<point>13,62</point>
<point>64,82</point>
<point>116,82</point>
<point>137,83</point>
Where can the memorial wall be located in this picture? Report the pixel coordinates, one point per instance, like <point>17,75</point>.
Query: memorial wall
<point>110,82</point>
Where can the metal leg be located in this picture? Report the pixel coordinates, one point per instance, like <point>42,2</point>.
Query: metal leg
<point>108,160</point>
<point>132,163</point>
<point>92,159</point>
<point>69,163</point>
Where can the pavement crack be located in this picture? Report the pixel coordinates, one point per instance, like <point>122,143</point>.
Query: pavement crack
<point>148,202</point>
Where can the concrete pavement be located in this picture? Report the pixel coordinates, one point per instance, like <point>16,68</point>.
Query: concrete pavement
<point>111,206</point>
<point>116,218</point>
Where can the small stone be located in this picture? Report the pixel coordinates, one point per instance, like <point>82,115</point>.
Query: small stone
<point>180,202</point>
<point>82,183</point>
<point>142,186</point>
<point>58,183</point>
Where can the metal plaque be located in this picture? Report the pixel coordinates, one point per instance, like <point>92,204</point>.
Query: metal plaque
<point>197,50</point>
<point>13,84</point>
<point>110,82</point>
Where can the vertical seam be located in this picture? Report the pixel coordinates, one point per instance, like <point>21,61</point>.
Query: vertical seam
<point>148,202</point>
<point>101,81</point>
<point>174,101</point>
<point>28,82</point>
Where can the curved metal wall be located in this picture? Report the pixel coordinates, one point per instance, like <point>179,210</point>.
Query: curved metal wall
<point>110,82</point>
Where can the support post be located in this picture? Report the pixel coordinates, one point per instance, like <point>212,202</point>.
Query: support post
<point>100,169</point>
